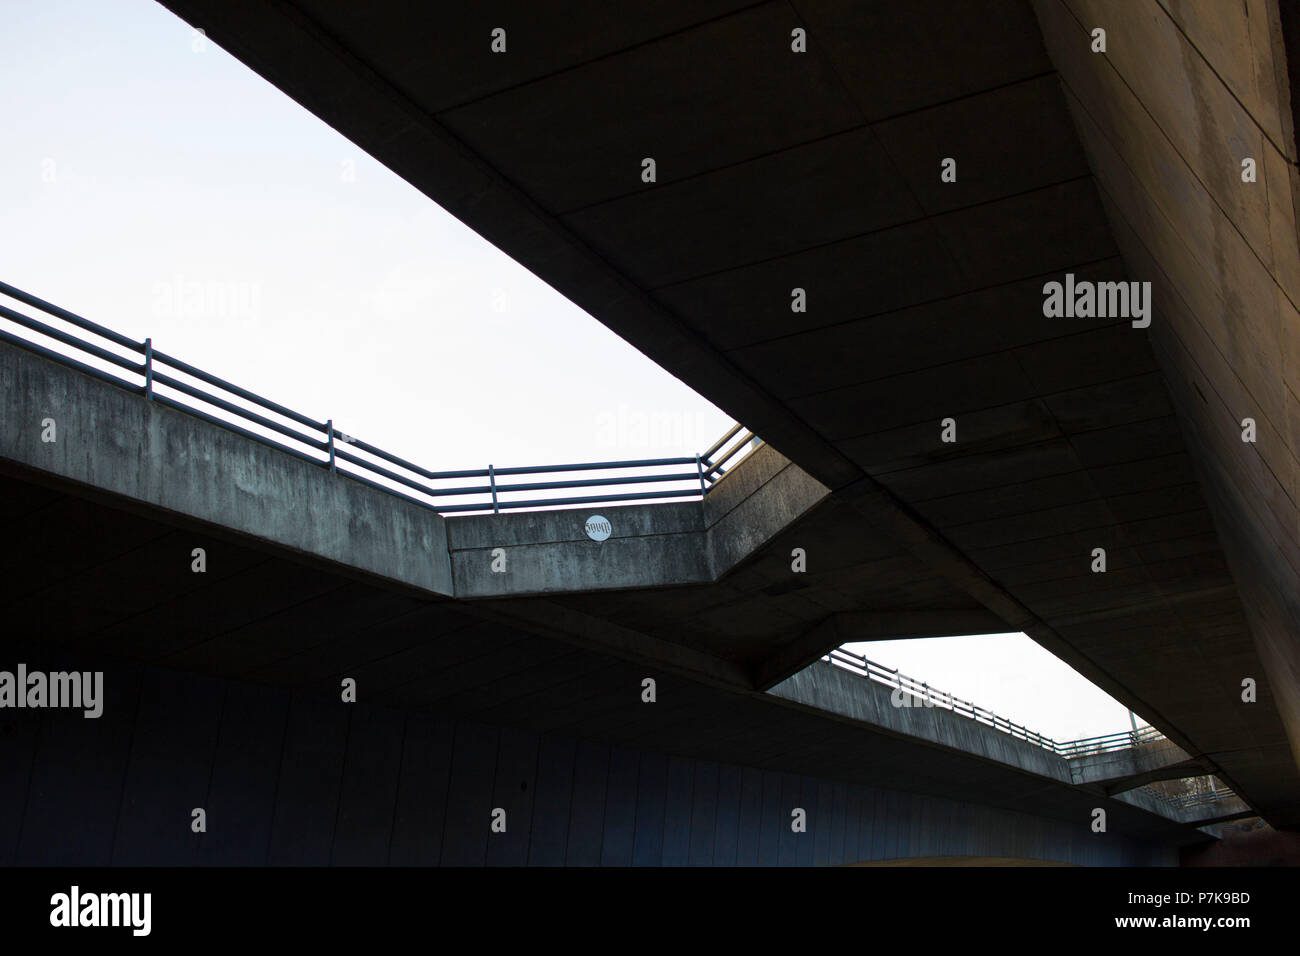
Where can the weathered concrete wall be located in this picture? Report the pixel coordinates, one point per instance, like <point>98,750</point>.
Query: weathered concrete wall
<point>1143,761</point>
<point>753,503</point>
<point>1185,92</point>
<point>649,546</point>
<point>116,442</point>
<point>834,689</point>
<point>657,545</point>
<point>296,780</point>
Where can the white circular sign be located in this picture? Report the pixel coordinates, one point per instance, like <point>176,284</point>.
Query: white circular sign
<point>598,528</point>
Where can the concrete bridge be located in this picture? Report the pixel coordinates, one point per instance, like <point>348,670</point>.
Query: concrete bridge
<point>527,696</point>
<point>800,259</point>
<point>821,171</point>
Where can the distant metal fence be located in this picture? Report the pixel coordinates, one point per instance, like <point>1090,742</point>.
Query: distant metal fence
<point>1203,796</point>
<point>169,381</point>
<point>921,694</point>
<point>1201,799</point>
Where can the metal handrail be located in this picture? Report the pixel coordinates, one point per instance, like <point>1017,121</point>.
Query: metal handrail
<point>320,442</point>
<point>931,697</point>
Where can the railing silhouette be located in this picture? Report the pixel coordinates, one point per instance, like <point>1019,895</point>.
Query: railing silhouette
<point>159,377</point>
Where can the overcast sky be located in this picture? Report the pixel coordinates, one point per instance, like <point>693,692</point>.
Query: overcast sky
<point>152,183</point>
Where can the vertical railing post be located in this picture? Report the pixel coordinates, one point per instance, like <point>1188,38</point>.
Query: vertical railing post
<point>699,463</point>
<point>148,369</point>
<point>492,481</point>
<point>329,430</point>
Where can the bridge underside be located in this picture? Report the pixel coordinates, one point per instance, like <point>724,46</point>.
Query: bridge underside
<point>820,171</point>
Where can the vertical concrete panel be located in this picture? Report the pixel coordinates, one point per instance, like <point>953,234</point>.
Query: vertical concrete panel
<point>749,837</point>
<point>857,828</point>
<point>677,811</point>
<point>651,792</point>
<point>1022,843</point>
<point>776,819</point>
<point>311,769</point>
<point>970,841</point>
<point>555,759</point>
<point>821,830</point>
<point>884,843</point>
<point>76,779</point>
<point>839,824</point>
<point>920,841</point>
<point>904,807</point>
<point>727,825</point>
<point>17,751</point>
<point>469,798</point>
<point>942,816</point>
<point>620,807</point>
<point>704,814</point>
<point>587,812</point>
<point>368,795</point>
<point>245,774</point>
<point>421,811</point>
<point>169,770</point>
<point>513,790</point>
<point>792,796</point>
<point>979,840</point>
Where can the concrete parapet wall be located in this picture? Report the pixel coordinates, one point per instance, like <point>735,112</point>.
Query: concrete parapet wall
<point>113,441</point>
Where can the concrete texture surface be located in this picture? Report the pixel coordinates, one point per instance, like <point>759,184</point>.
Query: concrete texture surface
<point>820,171</point>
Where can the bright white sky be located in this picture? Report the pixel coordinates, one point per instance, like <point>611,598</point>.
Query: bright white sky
<point>168,191</point>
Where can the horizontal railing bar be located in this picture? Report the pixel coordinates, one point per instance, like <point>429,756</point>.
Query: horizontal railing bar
<point>341,454</point>
<point>739,446</point>
<point>68,338</point>
<point>236,390</point>
<point>595,499</point>
<point>595,465</point>
<point>594,482</point>
<point>67,360</point>
<point>162,378</point>
<point>392,491</point>
<point>588,499</point>
<point>72,317</point>
<point>722,441</point>
<point>402,462</point>
<point>191,410</point>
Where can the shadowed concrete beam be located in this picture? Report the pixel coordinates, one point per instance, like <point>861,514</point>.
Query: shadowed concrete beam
<point>566,624</point>
<point>1178,771</point>
<point>1226,817</point>
<point>897,521</point>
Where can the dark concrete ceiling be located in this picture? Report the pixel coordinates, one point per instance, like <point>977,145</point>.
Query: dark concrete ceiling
<point>820,171</point>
